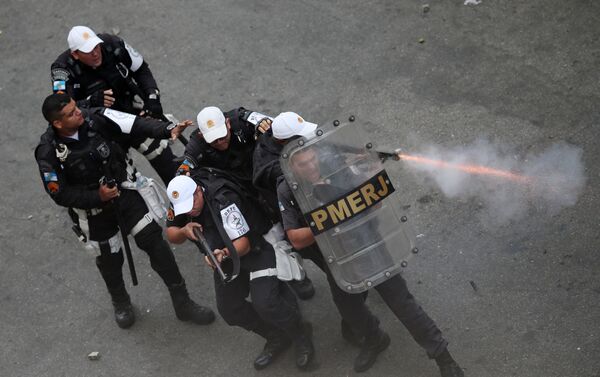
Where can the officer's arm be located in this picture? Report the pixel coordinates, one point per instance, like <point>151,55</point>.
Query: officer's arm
<point>63,81</point>
<point>301,237</point>
<point>258,121</point>
<point>192,156</point>
<point>117,122</point>
<point>242,246</point>
<point>56,185</point>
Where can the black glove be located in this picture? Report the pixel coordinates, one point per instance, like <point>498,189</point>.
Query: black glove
<point>96,99</point>
<point>152,105</point>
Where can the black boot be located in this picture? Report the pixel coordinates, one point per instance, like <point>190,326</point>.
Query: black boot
<point>304,349</point>
<point>188,310</point>
<point>350,336</point>
<point>373,345</point>
<point>277,343</point>
<point>448,367</point>
<point>124,315</point>
<point>304,289</point>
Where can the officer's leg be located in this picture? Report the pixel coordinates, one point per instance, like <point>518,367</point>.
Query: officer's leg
<point>148,237</point>
<point>276,304</point>
<point>357,319</point>
<point>110,266</point>
<point>101,231</point>
<point>359,325</point>
<point>423,329</point>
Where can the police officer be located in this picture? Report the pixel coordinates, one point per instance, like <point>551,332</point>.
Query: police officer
<point>212,202</point>
<point>104,71</point>
<point>394,291</point>
<point>77,157</point>
<point>226,141</point>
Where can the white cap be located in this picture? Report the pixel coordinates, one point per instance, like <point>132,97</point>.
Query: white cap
<point>181,193</point>
<point>82,38</point>
<point>288,124</point>
<point>211,123</point>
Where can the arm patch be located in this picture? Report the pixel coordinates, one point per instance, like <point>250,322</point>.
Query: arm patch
<point>234,222</point>
<point>136,58</point>
<point>123,120</point>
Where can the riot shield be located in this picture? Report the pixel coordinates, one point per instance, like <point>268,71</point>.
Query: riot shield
<point>350,204</point>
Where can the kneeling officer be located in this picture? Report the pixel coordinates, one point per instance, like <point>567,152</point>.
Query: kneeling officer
<point>212,202</point>
<point>77,157</point>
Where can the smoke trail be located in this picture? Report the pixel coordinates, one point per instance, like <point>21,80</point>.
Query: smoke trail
<point>557,177</point>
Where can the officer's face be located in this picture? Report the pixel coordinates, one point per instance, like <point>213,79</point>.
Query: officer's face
<point>198,203</point>
<point>306,165</point>
<point>92,59</point>
<point>71,119</point>
<point>222,144</point>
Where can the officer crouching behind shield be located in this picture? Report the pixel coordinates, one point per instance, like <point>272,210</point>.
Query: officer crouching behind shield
<point>312,167</point>
<point>82,168</point>
<point>213,203</point>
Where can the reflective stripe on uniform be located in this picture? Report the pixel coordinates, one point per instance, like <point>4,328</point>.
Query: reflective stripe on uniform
<point>263,273</point>
<point>161,147</point>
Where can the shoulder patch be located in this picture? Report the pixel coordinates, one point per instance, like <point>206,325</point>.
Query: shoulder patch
<point>59,74</point>
<point>59,85</point>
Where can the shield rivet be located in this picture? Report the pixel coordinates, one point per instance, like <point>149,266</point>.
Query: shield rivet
<point>295,186</point>
<point>415,250</point>
<point>312,223</point>
<point>330,260</point>
<point>387,274</point>
<point>349,287</point>
<point>285,155</point>
<point>369,284</point>
<point>404,263</point>
<point>336,123</point>
<point>352,118</point>
<point>300,142</point>
<point>404,219</point>
<point>369,145</point>
<point>319,132</point>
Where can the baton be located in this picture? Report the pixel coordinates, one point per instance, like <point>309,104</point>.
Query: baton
<point>205,249</point>
<point>111,183</point>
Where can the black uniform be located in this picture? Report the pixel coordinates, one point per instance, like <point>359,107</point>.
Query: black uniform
<point>125,72</point>
<point>273,303</point>
<point>236,160</point>
<point>71,169</point>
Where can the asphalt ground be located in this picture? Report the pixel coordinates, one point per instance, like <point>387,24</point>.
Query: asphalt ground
<point>524,74</point>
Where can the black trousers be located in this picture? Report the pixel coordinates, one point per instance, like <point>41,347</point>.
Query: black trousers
<point>398,298</point>
<point>273,303</point>
<point>131,209</point>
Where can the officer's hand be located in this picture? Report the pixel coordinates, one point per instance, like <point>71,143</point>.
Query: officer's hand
<point>107,193</point>
<point>264,125</point>
<point>152,106</point>
<point>188,230</point>
<point>219,254</point>
<point>175,132</point>
<point>109,100</point>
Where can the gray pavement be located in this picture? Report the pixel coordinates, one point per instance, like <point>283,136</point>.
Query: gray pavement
<point>522,73</point>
